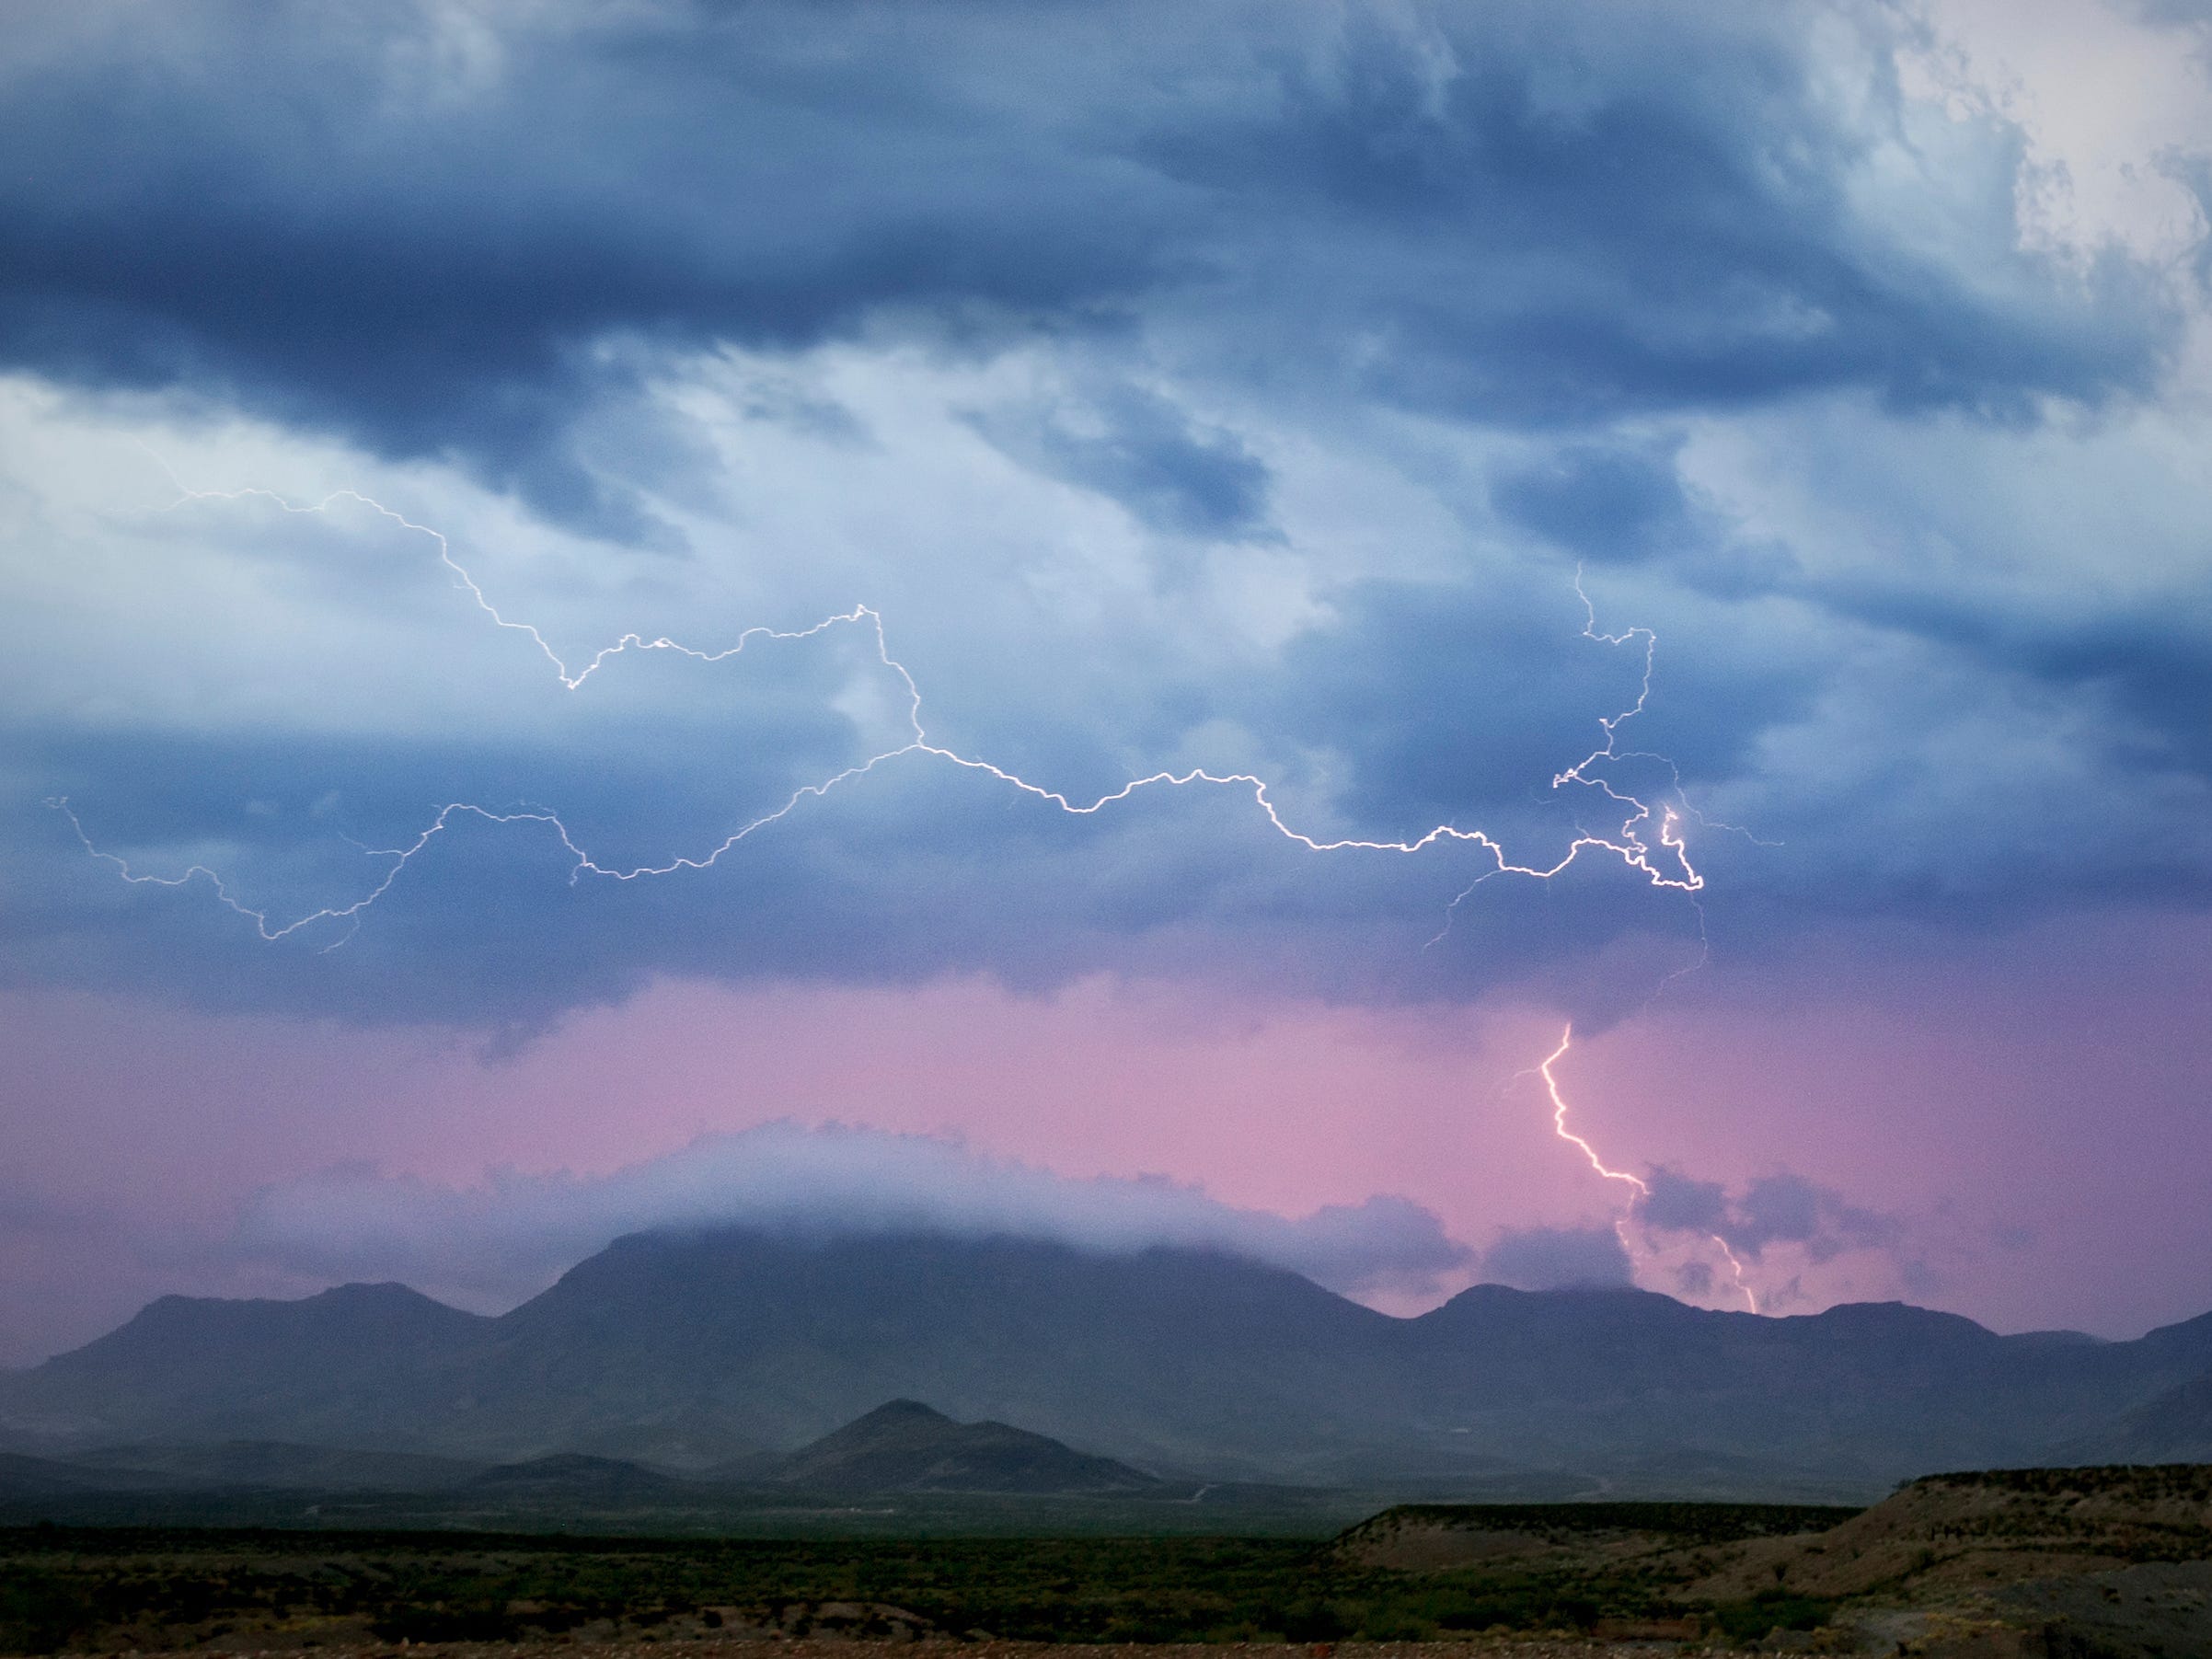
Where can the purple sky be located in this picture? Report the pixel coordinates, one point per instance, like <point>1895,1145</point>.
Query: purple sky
<point>1354,399</point>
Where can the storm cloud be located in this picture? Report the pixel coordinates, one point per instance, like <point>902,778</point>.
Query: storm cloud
<point>434,229</point>
<point>1238,389</point>
<point>1775,1208</point>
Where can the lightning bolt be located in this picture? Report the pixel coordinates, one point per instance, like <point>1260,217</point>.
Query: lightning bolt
<point>1642,1188</point>
<point>1559,1117</point>
<point>1737,1267</point>
<point>1649,839</point>
<point>1638,811</point>
<point>1664,865</point>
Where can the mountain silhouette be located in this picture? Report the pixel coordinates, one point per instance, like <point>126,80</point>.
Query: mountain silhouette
<point>905,1446</point>
<point>735,1348</point>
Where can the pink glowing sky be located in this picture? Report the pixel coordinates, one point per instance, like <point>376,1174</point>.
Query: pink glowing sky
<point>2034,1168</point>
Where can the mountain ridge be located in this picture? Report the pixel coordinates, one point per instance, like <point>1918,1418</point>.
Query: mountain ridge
<point>709,1348</point>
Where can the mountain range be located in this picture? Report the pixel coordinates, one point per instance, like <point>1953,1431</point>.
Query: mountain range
<point>729,1351</point>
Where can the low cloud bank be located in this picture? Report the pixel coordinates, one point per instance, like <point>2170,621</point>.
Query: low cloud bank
<point>514,1233</point>
<point>1773,1209</point>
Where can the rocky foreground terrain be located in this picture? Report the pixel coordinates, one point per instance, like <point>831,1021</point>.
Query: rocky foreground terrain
<point>2083,1563</point>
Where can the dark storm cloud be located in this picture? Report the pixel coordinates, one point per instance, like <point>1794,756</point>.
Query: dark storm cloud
<point>1674,232</point>
<point>1789,1209</point>
<point>1571,229</point>
<point>2154,664</point>
<point>1781,1208</point>
<point>1624,502</point>
<point>1139,449</point>
<point>1451,700</point>
<point>431,271</point>
<point>1605,503</point>
<point>1518,213</point>
<point>1678,1202</point>
<point>1417,704</point>
<point>1433,695</point>
<point>918,870</point>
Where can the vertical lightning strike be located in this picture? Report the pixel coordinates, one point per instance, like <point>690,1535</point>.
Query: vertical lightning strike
<point>1664,861</point>
<point>1559,1117</point>
<point>1559,1127</point>
<point>1737,1267</point>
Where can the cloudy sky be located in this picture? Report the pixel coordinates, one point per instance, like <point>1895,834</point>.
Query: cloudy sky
<point>570,576</point>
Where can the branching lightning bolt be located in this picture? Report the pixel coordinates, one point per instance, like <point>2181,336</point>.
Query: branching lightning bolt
<point>1638,811</point>
<point>1666,865</point>
<point>1663,859</point>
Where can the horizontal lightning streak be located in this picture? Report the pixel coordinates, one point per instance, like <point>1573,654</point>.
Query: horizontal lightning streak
<point>1668,866</point>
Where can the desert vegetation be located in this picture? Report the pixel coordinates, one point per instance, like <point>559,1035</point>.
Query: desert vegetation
<point>68,1589</point>
<point>2100,1562</point>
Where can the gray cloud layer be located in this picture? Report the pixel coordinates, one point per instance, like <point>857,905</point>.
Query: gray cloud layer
<point>419,225</point>
<point>1334,340</point>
